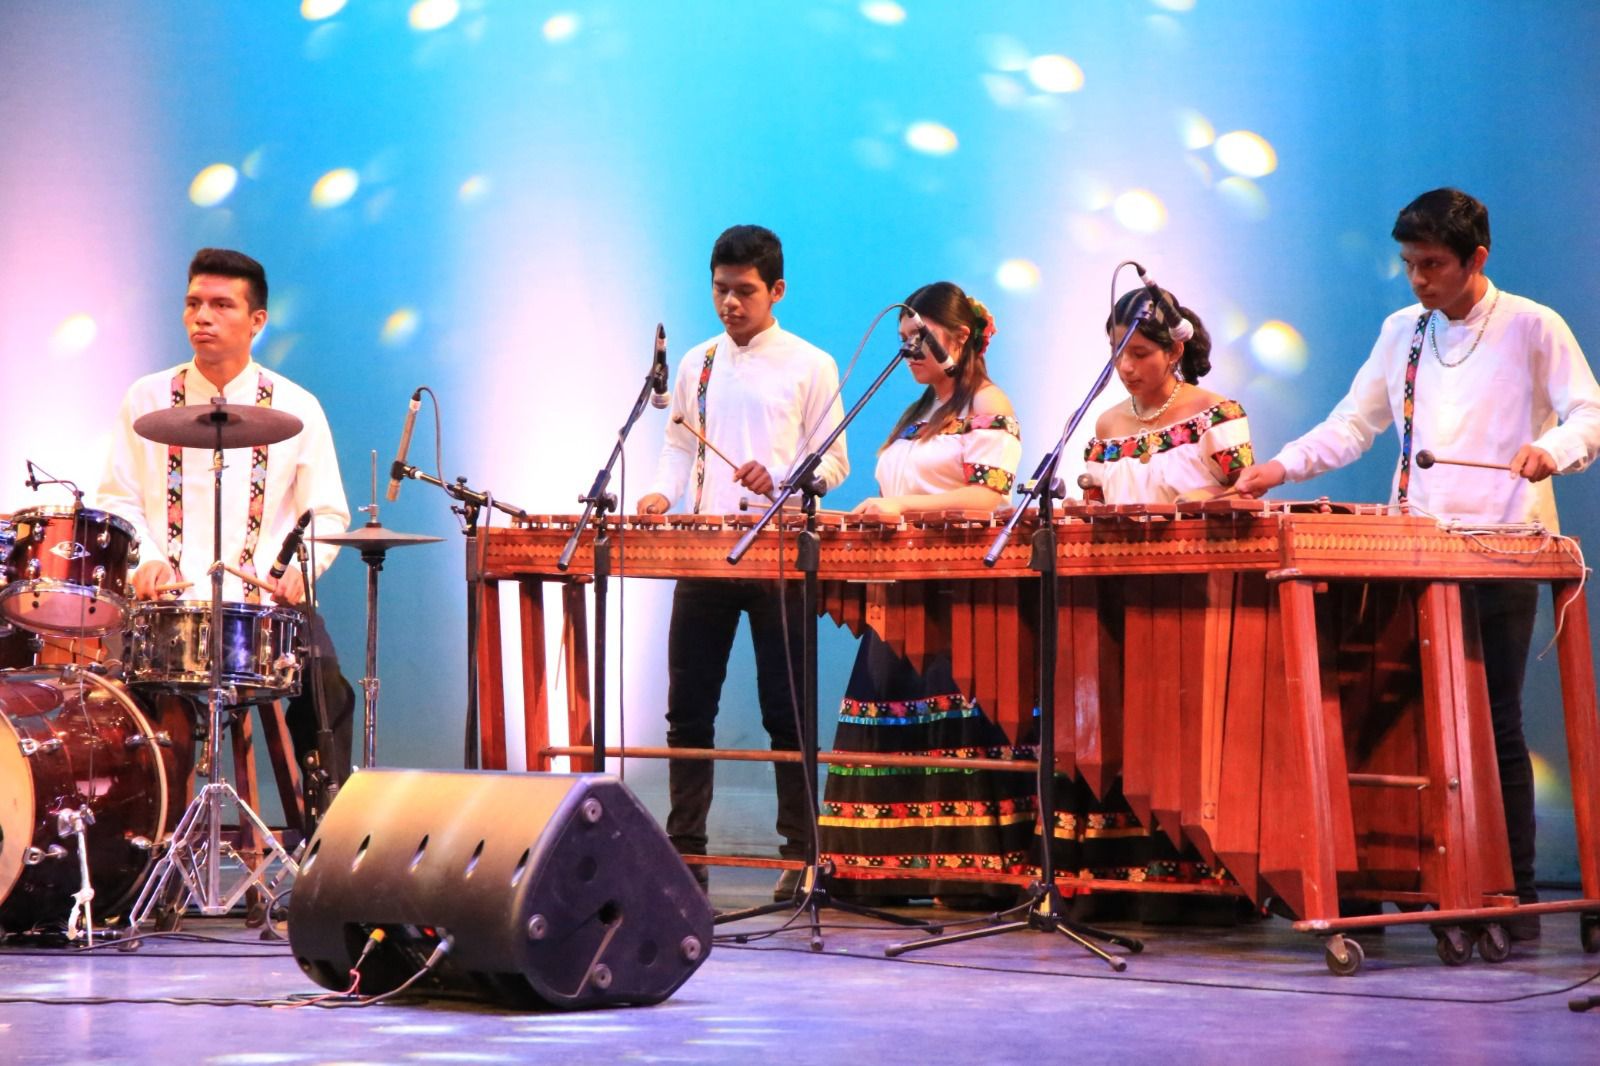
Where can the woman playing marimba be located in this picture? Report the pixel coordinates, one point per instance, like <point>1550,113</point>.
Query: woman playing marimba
<point>956,447</point>
<point>1170,439</point>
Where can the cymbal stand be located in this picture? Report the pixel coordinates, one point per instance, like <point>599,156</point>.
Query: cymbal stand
<point>1044,909</point>
<point>813,896</point>
<point>195,854</point>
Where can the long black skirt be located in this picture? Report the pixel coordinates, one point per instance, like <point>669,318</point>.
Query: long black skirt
<point>920,822</point>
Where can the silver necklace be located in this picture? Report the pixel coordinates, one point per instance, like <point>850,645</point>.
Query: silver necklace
<point>1133,405</point>
<point>1435,343</point>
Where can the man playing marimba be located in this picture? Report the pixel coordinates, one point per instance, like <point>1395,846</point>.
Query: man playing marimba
<point>1472,373</point>
<point>753,393</point>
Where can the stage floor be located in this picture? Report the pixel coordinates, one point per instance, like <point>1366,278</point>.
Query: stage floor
<point>1253,992</point>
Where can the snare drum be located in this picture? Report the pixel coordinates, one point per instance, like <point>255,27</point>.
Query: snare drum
<point>67,571</point>
<point>68,740</point>
<point>170,647</point>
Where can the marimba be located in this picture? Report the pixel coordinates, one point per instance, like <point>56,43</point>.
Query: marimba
<point>1295,690</point>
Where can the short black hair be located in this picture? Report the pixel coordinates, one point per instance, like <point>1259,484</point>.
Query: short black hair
<point>1445,216</point>
<point>754,246</point>
<point>227,263</point>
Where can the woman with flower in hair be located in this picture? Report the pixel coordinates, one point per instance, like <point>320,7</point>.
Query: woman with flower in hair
<point>956,447</point>
<point>1170,440</point>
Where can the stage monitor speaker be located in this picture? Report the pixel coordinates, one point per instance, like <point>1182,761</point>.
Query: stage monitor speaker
<point>553,890</point>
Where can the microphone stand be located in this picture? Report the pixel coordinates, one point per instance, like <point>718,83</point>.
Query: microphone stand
<point>598,503</point>
<point>814,896</point>
<point>1044,909</point>
<point>472,503</point>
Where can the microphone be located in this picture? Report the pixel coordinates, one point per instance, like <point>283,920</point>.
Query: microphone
<point>658,371</point>
<point>1578,1006</point>
<point>397,470</point>
<point>1180,328</point>
<point>932,345</point>
<point>291,544</point>
<point>33,477</point>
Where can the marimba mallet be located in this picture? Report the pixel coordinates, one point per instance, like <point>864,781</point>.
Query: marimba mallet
<point>1426,459</point>
<point>679,420</point>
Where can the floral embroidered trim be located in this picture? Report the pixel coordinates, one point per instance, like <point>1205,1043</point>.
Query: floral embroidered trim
<point>997,478</point>
<point>1008,862</point>
<point>1144,444</point>
<point>1231,461</point>
<point>907,712</point>
<point>934,813</point>
<point>1003,423</point>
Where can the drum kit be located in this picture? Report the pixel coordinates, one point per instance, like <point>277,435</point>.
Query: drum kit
<point>90,780</point>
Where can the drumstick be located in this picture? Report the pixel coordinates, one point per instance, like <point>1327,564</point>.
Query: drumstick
<point>1426,459</point>
<point>678,419</point>
<point>249,579</point>
<point>175,586</point>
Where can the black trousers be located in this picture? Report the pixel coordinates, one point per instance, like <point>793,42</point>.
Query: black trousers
<point>705,617</point>
<point>1505,624</point>
<point>301,713</point>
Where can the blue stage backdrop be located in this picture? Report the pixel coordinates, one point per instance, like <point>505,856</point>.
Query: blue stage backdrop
<point>500,199</point>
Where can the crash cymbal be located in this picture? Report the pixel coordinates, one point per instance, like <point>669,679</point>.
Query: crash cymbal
<point>376,538</point>
<point>195,426</point>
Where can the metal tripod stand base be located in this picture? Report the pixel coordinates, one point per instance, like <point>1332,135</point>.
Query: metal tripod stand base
<point>1045,912</point>
<point>194,857</point>
<point>812,898</point>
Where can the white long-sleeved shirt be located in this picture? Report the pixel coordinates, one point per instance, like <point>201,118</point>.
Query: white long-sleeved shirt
<point>302,474</point>
<point>761,400</point>
<point>1527,382</point>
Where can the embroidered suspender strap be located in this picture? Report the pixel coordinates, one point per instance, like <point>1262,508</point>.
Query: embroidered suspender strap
<point>1409,404</point>
<point>258,488</point>
<point>700,450</point>
<point>258,497</point>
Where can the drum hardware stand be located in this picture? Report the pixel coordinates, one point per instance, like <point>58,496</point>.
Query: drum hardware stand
<point>813,896</point>
<point>195,853</point>
<point>1044,910</point>
<point>597,502</point>
<point>80,919</point>
<point>471,504</point>
<point>375,542</point>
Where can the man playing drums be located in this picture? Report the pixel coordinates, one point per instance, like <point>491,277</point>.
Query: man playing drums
<point>165,492</point>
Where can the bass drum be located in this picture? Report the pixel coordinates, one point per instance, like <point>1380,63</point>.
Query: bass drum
<point>70,739</point>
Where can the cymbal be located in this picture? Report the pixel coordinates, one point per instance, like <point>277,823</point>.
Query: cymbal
<point>376,538</point>
<point>195,426</point>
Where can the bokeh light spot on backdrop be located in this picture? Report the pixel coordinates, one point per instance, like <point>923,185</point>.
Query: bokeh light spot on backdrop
<point>931,138</point>
<point>560,28</point>
<point>1055,74</point>
<point>400,327</point>
<point>335,188</point>
<point>1247,154</point>
<point>1017,275</point>
<point>883,12</point>
<point>213,185</point>
<point>1174,5</point>
<point>316,10</point>
<point>74,335</point>
<point>473,189</point>
<point>1004,53</point>
<point>1140,210</point>
<point>1279,348</point>
<point>429,15</point>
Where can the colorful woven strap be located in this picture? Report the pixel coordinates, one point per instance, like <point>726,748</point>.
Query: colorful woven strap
<point>700,403</point>
<point>258,488</point>
<point>1408,406</point>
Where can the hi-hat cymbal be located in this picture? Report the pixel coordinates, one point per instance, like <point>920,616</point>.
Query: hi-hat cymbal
<point>376,538</point>
<point>196,425</point>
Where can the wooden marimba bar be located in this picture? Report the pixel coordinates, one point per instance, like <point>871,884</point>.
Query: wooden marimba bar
<point>1295,690</point>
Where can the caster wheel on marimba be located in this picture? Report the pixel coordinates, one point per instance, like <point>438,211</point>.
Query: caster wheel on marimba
<point>1589,932</point>
<point>1453,945</point>
<point>1343,956</point>
<point>1494,943</point>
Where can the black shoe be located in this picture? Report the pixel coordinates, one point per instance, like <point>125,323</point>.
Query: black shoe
<point>788,886</point>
